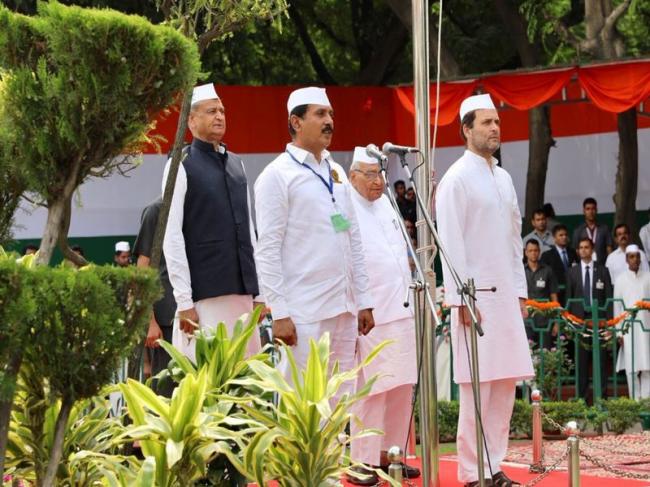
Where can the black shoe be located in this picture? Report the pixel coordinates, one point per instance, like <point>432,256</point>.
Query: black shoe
<point>500,479</point>
<point>369,476</point>
<point>476,483</point>
<point>407,471</point>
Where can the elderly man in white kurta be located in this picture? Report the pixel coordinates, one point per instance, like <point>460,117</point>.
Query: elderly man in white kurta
<point>210,237</point>
<point>631,286</point>
<point>480,227</point>
<point>309,254</point>
<point>388,406</point>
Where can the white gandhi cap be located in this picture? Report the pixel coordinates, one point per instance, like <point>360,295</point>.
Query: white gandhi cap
<point>204,92</point>
<point>122,247</point>
<point>632,249</point>
<point>476,102</point>
<point>307,96</point>
<point>360,155</point>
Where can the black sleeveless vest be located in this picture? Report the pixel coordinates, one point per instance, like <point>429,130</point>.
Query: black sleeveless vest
<point>215,224</point>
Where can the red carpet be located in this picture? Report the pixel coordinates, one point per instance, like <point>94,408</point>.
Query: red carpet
<point>448,477</point>
<point>520,474</point>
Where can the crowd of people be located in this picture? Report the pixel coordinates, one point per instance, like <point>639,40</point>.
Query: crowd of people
<point>597,268</point>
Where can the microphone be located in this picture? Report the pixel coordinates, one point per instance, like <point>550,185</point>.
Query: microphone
<point>373,151</point>
<point>390,148</point>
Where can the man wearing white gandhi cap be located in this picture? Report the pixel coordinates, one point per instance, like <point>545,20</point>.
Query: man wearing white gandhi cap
<point>309,254</point>
<point>122,257</point>
<point>210,236</point>
<point>631,286</point>
<point>480,226</point>
<point>388,406</point>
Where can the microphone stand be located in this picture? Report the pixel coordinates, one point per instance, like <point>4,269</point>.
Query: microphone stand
<point>467,292</point>
<point>426,353</point>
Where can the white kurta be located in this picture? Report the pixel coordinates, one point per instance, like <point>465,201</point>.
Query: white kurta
<point>617,264</point>
<point>388,270</point>
<point>644,236</point>
<point>307,271</point>
<point>480,226</point>
<point>632,287</point>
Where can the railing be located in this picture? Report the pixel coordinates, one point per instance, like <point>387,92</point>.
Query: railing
<point>559,334</point>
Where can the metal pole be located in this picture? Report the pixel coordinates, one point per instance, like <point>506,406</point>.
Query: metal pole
<point>596,357</point>
<point>573,443</point>
<point>537,465</point>
<point>476,386</point>
<point>429,397</point>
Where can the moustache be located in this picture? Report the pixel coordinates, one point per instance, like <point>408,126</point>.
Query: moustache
<point>328,129</point>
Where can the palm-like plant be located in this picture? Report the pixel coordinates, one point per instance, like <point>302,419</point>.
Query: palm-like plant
<point>182,435</point>
<point>89,453</point>
<point>303,441</point>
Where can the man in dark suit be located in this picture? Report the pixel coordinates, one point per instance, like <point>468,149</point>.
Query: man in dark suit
<point>588,282</point>
<point>560,258</point>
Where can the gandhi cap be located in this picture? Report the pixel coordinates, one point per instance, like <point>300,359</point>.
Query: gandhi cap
<point>360,155</point>
<point>476,102</point>
<point>204,92</point>
<point>122,247</point>
<point>632,249</point>
<point>307,96</point>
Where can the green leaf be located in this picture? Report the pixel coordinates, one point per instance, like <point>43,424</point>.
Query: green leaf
<point>147,474</point>
<point>174,451</point>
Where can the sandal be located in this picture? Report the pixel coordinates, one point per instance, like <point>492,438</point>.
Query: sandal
<point>500,479</point>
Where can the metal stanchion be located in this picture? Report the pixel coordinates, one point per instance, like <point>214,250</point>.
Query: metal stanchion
<point>537,465</point>
<point>573,443</point>
<point>395,456</point>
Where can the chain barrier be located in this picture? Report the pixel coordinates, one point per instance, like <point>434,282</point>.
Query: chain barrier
<point>599,463</point>
<point>614,470</point>
<point>619,451</point>
<point>547,470</point>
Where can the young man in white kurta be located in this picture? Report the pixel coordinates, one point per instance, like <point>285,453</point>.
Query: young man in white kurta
<point>631,286</point>
<point>388,406</point>
<point>480,226</point>
<point>309,255</point>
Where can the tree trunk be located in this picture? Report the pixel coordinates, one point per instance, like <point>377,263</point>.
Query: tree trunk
<point>539,145</point>
<point>55,216</point>
<point>6,403</point>
<point>628,172</point>
<point>57,442</point>
<point>68,253</point>
<point>177,152</point>
<point>448,65</point>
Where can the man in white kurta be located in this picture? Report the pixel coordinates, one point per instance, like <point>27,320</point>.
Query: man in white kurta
<point>480,226</point>
<point>632,286</point>
<point>388,406</point>
<point>209,239</point>
<point>616,262</point>
<point>309,254</point>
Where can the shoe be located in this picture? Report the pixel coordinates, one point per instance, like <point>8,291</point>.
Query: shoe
<point>408,472</point>
<point>476,483</point>
<point>369,476</point>
<point>500,479</point>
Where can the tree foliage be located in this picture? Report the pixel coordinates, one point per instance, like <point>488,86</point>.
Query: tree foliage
<point>78,89</point>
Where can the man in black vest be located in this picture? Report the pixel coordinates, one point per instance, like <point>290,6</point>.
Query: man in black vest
<point>210,236</point>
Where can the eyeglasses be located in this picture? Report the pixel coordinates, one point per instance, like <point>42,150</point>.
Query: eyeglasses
<point>370,175</point>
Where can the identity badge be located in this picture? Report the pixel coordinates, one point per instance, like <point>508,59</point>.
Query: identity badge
<point>339,222</point>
